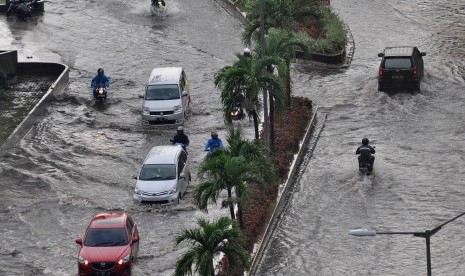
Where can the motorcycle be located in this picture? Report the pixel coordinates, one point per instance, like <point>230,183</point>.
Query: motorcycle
<point>364,165</point>
<point>365,168</point>
<point>23,8</point>
<point>183,146</point>
<point>158,7</point>
<point>101,94</point>
<point>237,113</point>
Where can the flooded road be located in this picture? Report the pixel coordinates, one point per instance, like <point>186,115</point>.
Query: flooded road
<point>418,182</point>
<point>79,160</point>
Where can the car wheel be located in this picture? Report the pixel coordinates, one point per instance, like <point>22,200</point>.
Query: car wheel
<point>417,86</point>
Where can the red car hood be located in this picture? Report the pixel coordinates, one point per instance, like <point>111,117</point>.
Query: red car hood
<point>105,254</point>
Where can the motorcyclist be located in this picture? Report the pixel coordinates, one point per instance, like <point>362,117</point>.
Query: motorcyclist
<point>365,153</point>
<point>214,143</point>
<point>18,7</point>
<point>180,138</point>
<point>98,81</point>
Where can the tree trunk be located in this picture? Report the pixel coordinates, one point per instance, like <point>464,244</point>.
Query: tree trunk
<point>213,268</point>
<point>288,83</point>
<point>255,124</point>
<point>231,204</point>
<point>239,214</point>
<point>271,117</point>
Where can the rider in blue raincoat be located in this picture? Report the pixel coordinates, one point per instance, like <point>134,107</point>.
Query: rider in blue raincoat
<point>99,80</point>
<point>214,143</point>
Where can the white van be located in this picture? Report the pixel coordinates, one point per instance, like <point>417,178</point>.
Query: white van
<point>166,98</point>
<point>164,176</point>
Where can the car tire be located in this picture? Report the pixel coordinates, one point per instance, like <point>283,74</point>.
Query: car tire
<point>380,88</point>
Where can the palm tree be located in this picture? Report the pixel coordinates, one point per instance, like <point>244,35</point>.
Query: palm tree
<point>279,14</point>
<point>247,78</point>
<point>208,242</point>
<point>254,152</point>
<point>282,46</point>
<point>226,172</point>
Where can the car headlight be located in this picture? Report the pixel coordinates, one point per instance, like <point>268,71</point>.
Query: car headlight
<point>124,260</point>
<point>146,111</point>
<point>177,108</point>
<point>137,191</point>
<point>82,260</point>
<point>172,191</point>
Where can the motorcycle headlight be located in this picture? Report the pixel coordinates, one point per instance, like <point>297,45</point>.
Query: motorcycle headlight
<point>82,260</point>
<point>177,108</point>
<point>124,260</point>
<point>146,111</point>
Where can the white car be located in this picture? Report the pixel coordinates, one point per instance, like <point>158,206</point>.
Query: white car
<point>166,97</point>
<point>164,176</point>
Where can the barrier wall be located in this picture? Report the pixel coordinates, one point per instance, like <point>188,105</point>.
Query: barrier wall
<point>8,62</point>
<point>39,68</point>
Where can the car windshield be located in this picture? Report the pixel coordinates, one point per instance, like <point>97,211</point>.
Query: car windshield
<point>158,172</point>
<point>162,92</point>
<point>106,237</point>
<point>397,63</point>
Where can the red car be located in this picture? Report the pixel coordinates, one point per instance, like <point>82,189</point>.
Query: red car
<point>109,246</point>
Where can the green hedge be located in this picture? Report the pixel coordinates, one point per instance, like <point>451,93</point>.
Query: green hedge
<point>335,38</point>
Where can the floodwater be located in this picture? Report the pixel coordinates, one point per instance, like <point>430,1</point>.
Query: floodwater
<point>418,182</point>
<point>79,159</point>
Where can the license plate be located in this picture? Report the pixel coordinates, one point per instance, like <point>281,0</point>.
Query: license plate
<point>397,77</point>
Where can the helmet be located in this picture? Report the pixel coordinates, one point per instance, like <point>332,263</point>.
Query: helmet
<point>214,134</point>
<point>365,141</point>
<point>100,71</point>
<point>180,130</point>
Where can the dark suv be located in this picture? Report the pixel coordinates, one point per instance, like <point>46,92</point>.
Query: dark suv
<point>401,68</point>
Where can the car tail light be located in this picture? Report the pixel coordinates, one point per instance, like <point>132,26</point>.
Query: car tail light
<point>414,71</point>
<point>380,72</point>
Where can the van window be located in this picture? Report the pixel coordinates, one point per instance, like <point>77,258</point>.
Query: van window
<point>162,92</point>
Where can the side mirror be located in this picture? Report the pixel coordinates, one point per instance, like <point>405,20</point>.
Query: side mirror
<point>380,55</point>
<point>184,93</point>
<point>78,241</point>
<point>182,175</point>
<point>141,96</point>
<point>135,239</point>
<point>134,177</point>
<point>422,54</point>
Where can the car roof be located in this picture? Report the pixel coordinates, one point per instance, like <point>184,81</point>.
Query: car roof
<point>162,155</point>
<point>109,220</point>
<point>165,75</point>
<point>398,51</point>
